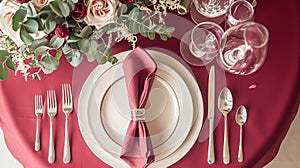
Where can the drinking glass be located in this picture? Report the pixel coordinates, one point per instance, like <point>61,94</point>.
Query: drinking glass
<point>240,11</point>
<point>204,44</point>
<point>212,8</point>
<point>243,48</point>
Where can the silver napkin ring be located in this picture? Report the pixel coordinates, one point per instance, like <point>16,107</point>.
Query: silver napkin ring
<point>138,114</point>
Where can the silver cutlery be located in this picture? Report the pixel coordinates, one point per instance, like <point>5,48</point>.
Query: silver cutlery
<point>241,118</point>
<point>225,104</point>
<point>210,116</point>
<point>38,110</point>
<point>67,109</point>
<point>52,111</point>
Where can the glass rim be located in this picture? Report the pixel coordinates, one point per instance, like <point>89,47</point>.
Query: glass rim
<point>208,24</point>
<point>229,13</point>
<point>262,28</point>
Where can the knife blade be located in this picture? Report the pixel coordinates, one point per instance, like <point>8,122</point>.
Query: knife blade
<point>210,116</point>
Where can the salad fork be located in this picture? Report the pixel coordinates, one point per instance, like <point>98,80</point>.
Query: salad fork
<point>67,109</point>
<point>38,110</point>
<point>52,111</point>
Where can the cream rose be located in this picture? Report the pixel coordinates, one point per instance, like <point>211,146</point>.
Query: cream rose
<point>100,12</point>
<point>8,10</point>
<point>39,4</point>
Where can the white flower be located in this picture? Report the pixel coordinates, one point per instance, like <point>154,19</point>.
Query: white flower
<point>100,12</point>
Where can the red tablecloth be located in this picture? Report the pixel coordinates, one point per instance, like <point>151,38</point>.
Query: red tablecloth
<point>272,105</point>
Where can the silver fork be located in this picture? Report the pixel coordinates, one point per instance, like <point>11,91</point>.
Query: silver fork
<point>52,111</point>
<point>67,109</point>
<point>38,110</point>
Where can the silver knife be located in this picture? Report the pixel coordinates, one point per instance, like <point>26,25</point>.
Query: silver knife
<point>210,116</point>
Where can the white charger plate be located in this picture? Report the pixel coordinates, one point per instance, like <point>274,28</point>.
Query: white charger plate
<point>191,104</point>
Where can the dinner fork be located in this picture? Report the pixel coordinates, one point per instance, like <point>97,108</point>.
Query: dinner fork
<point>67,109</point>
<point>38,110</point>
<point>52,111</point>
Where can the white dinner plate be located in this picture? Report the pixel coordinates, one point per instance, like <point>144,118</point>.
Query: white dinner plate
<point>104,90</point>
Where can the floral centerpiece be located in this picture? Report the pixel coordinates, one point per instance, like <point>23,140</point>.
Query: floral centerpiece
<point>36,34</point>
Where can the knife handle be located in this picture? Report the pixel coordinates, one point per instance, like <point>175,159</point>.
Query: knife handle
<point>211,150</point>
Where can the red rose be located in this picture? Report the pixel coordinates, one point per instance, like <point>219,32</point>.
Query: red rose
<point>126,1</point>
<point>62,31</point>
<point>49,36</point>
<point>23,1</point>
<point>79,11</point>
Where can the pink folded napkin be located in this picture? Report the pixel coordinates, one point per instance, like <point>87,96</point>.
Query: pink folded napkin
<point>139,71</point>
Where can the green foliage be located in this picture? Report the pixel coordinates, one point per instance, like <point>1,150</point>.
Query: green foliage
<point>5,64</point>
<point>83,40</point>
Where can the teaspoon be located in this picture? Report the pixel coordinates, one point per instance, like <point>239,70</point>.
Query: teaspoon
<point>225,104</point>
<point>241,118</point>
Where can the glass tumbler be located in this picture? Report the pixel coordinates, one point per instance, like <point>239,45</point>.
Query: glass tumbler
<point>243,48</point>
<point>205,42</point>
<point>240,11</point>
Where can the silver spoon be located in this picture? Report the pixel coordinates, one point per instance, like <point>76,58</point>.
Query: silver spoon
<point>241,118</point>
<point>225,104</point>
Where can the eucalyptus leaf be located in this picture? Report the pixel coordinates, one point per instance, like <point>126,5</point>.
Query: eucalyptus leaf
<point>38,43</point>
<point>54,5</point>
<point>4,53</point>
<point>57,42</point>
<point>31,26</point>
<point>170,29</point>
<point>25,36</point>
<point>3,72</point>
<point>58,54</point>
<point>164,37</point>
<point>84,45</point>
<point>134,13</point>
<point>50,24</point>
<point>18,17</point>
<point>41,50</point>
<point>50,63</point>
<point>73,39</point>
<point>47,71</point>
<point>71,5</point>
<point>64,8</point>
<point>122,10</point>
<point>10,64</point>
<point>86,32</point>
<point>151,35</point>
<point>134,27</point>
<point>67,49</point>
<point>75,59</point>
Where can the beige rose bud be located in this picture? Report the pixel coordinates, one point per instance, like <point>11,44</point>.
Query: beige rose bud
<point>100,12</point>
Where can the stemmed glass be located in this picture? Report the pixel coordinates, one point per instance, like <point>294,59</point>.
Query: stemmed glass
<point>209,10</point>
<point>201,45</point>
<point>240,11</point>
<point>244,48</point>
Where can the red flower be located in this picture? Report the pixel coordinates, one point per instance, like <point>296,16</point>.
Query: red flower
<point>23,1</point>
<point>49,36</point>
<point>62,31</point>
<point>126,1</point>
<point>79,11</point>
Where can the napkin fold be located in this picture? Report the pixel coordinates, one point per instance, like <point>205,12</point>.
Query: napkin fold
<point>139,71</point>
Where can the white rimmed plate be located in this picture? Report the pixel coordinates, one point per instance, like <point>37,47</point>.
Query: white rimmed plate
<point>192,107</point>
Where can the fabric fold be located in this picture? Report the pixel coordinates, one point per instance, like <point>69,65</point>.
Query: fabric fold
<point>139,71</point>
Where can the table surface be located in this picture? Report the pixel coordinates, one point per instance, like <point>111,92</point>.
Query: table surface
<point>272,105</point>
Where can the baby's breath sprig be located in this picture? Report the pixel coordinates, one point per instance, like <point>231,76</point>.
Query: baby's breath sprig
<point>18,59</point>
